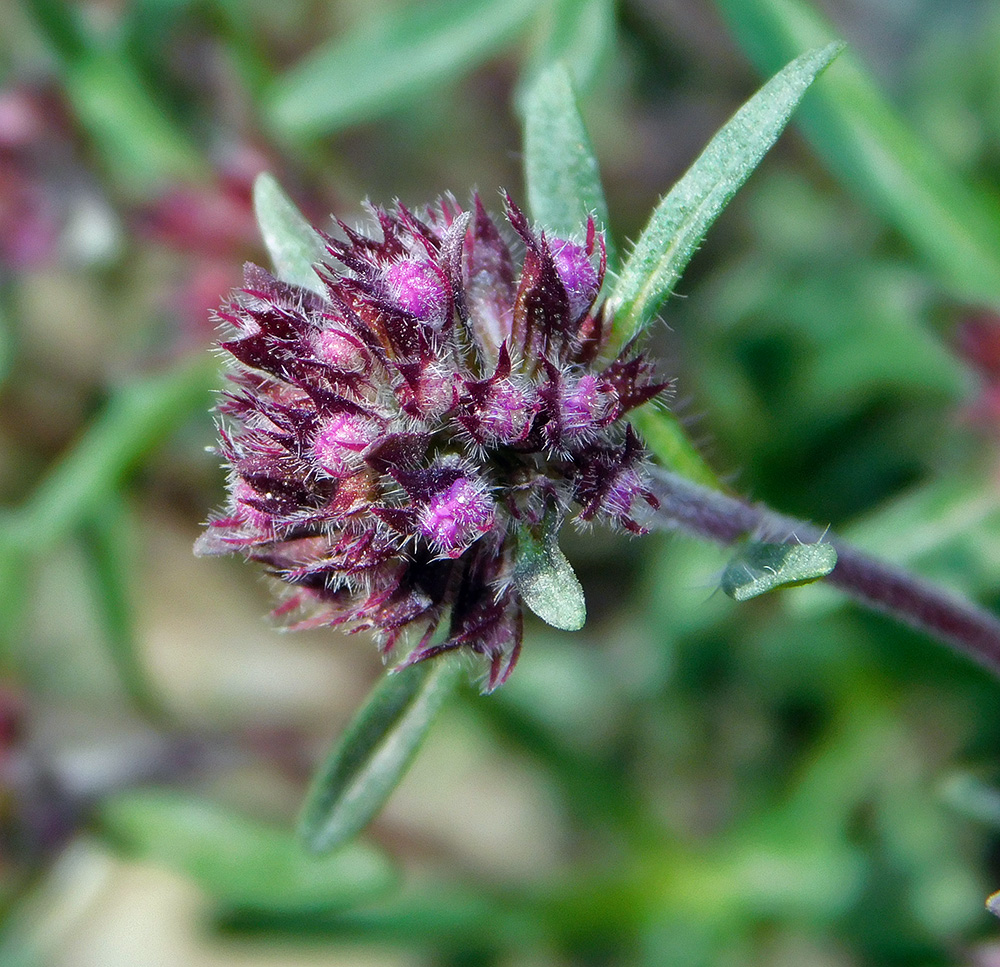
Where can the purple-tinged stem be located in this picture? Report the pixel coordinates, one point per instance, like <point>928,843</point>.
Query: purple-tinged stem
<point>709,513</point>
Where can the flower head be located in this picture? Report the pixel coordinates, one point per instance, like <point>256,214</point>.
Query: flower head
<point>387,441</point>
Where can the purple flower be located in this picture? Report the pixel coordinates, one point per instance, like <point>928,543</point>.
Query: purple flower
<point>388,441</point>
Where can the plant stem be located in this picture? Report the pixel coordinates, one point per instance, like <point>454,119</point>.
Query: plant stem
<point>723,518</point>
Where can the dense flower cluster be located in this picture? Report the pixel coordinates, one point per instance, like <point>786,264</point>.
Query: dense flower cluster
<point>387,441</point>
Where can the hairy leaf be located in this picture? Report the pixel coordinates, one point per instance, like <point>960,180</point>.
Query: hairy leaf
<point>681,220</point>
<point>760,567</point>
<point>546,581</point>
<point>291,241</point>
<point>371,757</point>
<point>560,168</point>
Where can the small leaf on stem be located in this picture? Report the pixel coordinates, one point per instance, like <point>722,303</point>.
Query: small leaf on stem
<point>761,567</point>
<point>546,580</point>
<point>291,241</point>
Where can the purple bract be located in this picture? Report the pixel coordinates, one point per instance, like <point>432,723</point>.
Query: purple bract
<point>387,440</point>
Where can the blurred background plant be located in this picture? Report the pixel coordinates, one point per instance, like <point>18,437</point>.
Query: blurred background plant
<point>687,780</point>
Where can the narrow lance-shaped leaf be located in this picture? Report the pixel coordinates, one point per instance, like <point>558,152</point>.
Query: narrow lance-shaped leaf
<point>138,142</point>
<point>866,143</point>
<point>239,861</point>
<point>371,757</point>
<point>135,420</point>
<point>760,567</point>
<point>106,540</point>
<point>579,33</point>
<point>665,437</point>
<point>390,61</point>
<point>560,168</point>
<point>546,580</point>
<point>291,241</point>
<point>681,220</point>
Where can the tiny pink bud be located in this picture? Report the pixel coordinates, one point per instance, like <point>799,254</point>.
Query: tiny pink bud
<point>578,275</point>
<point>587,405</point>
<point>342,352</point>
<point>420,289</point>
<point>455,518</point>
<point>507,414</point>
<point>621,493</point>
<point>340,440</point>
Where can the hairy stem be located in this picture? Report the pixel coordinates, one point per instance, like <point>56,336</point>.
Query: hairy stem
<point>709,513</point>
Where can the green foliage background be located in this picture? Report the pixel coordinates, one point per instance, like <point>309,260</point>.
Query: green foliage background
<point>685,781</point>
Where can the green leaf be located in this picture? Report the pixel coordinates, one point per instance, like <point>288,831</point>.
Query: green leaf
<point>560,169</point>
<point>141,147</point>
<point>666,439</point>
<point>63,27</point>
<point>292,243</point>
<point>371,757</point>
<point>16,580</point>
<point>239,861</point>
<point>137,418</point>
<point>389,62</point>
<point>140,144</point>
<point>760,567</point>
<point>580,33</point>
<point>681,220</point>
<point>546,580</point>
<point>423,915</point>
<point>947,529</point>
<point>955,228</point>
<point>106,542</point>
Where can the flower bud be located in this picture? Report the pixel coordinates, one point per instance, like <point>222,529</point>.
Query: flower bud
<point>387,438</point>
<point>578,275</point>
<point>586,405</point>
<point>456,517</point>
<point>420,289</point>
<point>341,351</point>
<point>245,498</point>
<point>340,440</point>
<point>506,414</point>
